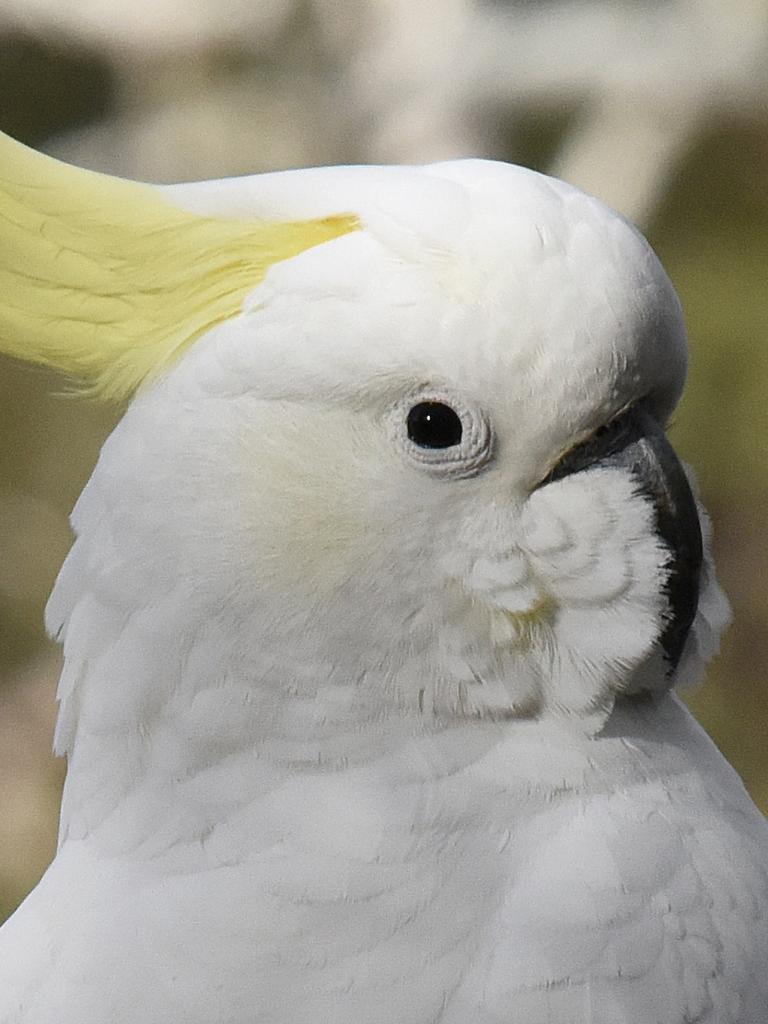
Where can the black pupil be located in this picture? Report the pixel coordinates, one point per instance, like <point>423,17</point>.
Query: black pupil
<point>434,425</point>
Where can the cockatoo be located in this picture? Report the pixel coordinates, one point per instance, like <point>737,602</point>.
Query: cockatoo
<point>378,596</point>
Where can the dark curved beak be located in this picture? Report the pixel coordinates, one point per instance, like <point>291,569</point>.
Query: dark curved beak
<point>635,441</point>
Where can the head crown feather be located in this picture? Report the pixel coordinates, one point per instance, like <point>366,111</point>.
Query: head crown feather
<point>106,280</point>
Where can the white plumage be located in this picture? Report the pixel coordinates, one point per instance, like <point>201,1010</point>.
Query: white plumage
<point>366,732</point>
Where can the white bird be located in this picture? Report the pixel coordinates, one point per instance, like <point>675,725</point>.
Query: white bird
<point>377,597</point>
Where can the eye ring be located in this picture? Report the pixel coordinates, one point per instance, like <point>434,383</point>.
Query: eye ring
<point>424,421</point>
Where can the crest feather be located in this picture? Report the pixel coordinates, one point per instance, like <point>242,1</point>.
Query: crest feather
<point>106,280</point>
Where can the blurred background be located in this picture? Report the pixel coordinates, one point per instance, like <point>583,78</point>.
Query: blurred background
<point>659,108</point>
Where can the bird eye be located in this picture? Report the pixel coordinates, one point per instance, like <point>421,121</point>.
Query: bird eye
<point>434,425</point>
<point>442,433</point>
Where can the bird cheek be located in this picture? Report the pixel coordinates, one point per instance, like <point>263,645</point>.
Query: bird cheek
<point>301,539</point>
<point>592,537</point>
<point>509,583</point>
<point>591,541</point>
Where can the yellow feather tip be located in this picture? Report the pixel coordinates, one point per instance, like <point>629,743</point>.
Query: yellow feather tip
<point>106,281</point>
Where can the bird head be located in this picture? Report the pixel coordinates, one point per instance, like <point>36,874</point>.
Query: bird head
<point>417,468</point>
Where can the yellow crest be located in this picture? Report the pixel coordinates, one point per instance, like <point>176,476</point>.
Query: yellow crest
<point>105,280</point>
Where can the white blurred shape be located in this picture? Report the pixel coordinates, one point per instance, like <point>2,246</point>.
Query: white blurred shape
<point>397,81</point>
<point>150,25</point>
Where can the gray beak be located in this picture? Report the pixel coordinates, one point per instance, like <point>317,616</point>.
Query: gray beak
<point>636,442</point>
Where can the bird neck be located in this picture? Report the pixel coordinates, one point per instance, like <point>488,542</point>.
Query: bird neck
<point>174,735</point>
<point>177,791</point>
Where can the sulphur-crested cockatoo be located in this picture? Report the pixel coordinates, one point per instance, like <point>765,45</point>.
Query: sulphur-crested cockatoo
<point>378,594</point>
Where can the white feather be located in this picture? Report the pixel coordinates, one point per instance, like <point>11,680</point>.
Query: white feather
<point>347,734</point>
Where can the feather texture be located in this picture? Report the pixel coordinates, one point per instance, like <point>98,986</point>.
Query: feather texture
<point>107,280</point>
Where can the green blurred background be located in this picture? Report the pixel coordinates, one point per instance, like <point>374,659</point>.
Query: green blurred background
<point>666,119</point>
